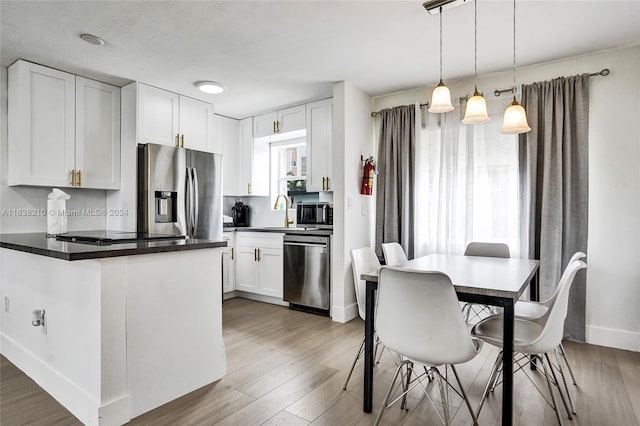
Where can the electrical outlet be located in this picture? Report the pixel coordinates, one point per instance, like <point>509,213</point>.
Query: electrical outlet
<point>6,303</point>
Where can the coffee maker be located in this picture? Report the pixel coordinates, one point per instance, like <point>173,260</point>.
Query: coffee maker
<point>240,214</point>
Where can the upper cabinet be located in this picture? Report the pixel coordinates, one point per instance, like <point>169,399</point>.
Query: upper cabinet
<point>319,145</point>
<point>97,134</point>
<point>254,162</point>
<point>167,118</point>
<point>279,122</point>
<point>63,130</point>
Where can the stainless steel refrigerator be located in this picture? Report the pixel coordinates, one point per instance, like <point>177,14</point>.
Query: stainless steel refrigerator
<point>179,192</point>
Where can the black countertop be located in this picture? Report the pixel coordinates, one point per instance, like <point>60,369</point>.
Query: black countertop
<point>38,243</point>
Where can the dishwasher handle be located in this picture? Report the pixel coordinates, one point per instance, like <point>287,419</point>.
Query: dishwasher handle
<point>288,243</point>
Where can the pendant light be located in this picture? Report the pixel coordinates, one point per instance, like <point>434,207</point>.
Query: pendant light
<point>515,117</point>
<point>441,97</point>
<point>476,111</point>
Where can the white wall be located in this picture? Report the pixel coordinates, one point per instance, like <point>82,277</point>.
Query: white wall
<point>613,276</point>
<point>24,198</point>
<point>354,214</point>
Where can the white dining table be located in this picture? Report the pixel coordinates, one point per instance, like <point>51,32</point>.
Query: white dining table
<point>485,280</point>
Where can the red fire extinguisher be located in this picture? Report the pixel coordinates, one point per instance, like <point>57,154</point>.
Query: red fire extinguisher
<point>367,176</point>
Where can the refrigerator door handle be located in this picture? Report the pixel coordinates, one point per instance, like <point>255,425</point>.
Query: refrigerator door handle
<point>187,201</point>
<point>191,202</point>
<point>196,199</point>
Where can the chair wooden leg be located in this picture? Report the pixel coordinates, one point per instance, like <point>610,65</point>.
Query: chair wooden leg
<point>353,366</point>
<point>546,369</point>
<point>464,395</point>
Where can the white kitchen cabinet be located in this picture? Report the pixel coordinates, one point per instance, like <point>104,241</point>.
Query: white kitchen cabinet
<point>63,130</point>
<point>278,122</point>
<point>217,133</point>
<point>253,168</point>
<point>228,263</point>
<point>167,118</point>
<point>259,263</point>
<point>97,134</point>
<point>228,144</point>
<point>319,145</point>
<point>158,115</point>
<point>265,124</point>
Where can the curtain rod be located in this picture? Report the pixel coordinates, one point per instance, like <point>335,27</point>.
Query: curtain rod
<point>604,72</point>
<point>376,113</point>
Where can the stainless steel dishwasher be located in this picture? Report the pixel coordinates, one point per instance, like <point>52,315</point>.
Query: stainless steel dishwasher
<point>307,272</point>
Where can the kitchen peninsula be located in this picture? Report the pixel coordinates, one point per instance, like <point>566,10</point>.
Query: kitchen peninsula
<point>112,331</point>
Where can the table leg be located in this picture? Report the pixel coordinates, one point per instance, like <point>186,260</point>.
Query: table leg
<point>507,363</point>
<point>534,295</point>
<point>368,346</point>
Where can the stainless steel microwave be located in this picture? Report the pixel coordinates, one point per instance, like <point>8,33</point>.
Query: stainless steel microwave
<point>319,215</point>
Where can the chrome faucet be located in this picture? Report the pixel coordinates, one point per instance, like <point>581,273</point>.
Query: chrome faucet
<point>287,222</point>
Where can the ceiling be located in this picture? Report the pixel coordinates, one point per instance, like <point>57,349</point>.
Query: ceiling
<point>272,54</point>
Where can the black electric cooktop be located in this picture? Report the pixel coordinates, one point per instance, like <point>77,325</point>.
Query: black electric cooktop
<point>113,237</point>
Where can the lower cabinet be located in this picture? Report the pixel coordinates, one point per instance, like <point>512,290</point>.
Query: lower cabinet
<point>259,263</point>
<point>228,263</point>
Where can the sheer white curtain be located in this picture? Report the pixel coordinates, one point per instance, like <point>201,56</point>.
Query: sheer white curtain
<point>466,182</point>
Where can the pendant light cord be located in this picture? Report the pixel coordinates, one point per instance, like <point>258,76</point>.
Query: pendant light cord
<point>440,44</point>
<point>475,44</point>
<point>514,50</point>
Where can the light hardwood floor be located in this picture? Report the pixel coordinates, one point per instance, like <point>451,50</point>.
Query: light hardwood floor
<point>288,368</point>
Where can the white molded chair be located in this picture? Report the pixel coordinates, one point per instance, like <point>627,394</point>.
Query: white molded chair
<point>393,254</point>
<point>419,318</point>
<point>538,336</point>
<point>530,310</point>
<point>486,250</point>
<point>362,260</point>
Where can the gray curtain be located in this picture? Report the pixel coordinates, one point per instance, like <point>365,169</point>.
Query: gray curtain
<point>396,165</point>
<point>553,163</point>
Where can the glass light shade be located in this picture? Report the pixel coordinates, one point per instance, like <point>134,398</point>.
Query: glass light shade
<point>441,99</point>
<point>515,120</point>
<point>476,111</point>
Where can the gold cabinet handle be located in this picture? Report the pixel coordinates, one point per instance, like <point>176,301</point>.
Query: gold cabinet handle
<point>249,188</point>
<point>79,178</point>
<point>178,140</point>
<point>274,127</point>
<point>259,255</point>
<point>73,177</point>
<point>255,254</point>
<point>182,141</point>
<point>324,184</point>
<point>231,253</point>
<point>327,183</point>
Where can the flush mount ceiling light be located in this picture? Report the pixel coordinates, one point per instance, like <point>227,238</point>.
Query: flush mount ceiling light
<point>476,111</point>
<point>515,117</point>
<point>441,96</point>
<point>209,87</point>
<point>91,39</point>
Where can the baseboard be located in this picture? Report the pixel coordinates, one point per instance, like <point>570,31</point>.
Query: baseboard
<point>613,338</point>
<point>260,298</point>
<point>344,314</point>
<point>67,393</point>
<point>229,295</point>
